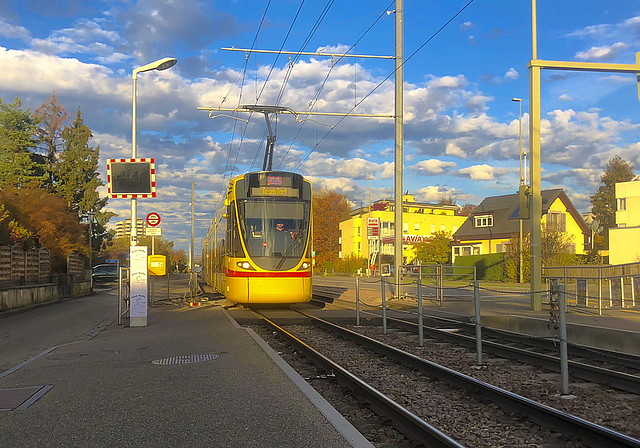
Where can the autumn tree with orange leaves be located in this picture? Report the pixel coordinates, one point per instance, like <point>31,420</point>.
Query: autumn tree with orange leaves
<point>47,223</point>
<point>329,210</point>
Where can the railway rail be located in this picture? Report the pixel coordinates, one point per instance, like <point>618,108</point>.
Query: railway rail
<point>513,406</point>
<point>614,369</point>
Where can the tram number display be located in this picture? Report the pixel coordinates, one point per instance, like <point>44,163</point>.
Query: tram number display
<point>275,191</point>
<point>275,181</point>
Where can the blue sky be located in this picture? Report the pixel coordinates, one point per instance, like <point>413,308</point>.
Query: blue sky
<point>461,127</point>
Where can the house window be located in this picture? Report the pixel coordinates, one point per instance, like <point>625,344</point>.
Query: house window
<point>416,226</point>
<point>455,229</point>
<point>622,204</point>
<point>557,221</point>
<point>359,247</point>
<point>443,228</point>
<point>405,227</point>
<point>433,228</point>
<point>483,221</point>
<point>359,230</point>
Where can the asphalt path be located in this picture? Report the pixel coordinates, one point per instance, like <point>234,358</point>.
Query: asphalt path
<point>26,334</point>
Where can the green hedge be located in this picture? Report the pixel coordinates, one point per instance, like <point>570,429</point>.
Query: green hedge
<point>489,267</point>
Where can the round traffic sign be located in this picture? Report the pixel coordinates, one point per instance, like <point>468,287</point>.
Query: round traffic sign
<point>153,219</point>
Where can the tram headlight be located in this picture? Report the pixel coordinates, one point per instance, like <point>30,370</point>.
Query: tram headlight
<point>305,265</point>
<point>243,264</point>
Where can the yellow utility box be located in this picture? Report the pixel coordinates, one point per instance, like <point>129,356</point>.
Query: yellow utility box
<point>157,264</point>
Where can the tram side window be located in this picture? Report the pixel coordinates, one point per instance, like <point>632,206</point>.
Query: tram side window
<point>234,246</point>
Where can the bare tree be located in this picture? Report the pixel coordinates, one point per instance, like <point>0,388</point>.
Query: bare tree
<point>52,115</point>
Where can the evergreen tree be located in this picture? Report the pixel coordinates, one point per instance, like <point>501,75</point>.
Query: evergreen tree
<point>18,165</point>
<point>76,172</point>
<point>604,200</point>
<point>76,177</point>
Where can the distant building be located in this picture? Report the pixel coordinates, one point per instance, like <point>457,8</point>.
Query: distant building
<point>492,224</point>
<point>624,239</point>
<point>123,228</point>
<point>420,220</point>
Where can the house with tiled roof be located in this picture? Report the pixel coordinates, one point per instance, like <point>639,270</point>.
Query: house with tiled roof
<point>491,226</point>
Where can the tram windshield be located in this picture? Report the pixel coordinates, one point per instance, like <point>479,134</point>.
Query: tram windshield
<point>275,231</point>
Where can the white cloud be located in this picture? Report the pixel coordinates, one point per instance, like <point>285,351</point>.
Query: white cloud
<point>434,193</point>
<point>467,26</point>
<point>455,150</point>
<point>565,97</point>
<point>14,31</point>
<point>603,53</point>
<point>432,166</point>
<point>512,73</point>
<point>484,172</point>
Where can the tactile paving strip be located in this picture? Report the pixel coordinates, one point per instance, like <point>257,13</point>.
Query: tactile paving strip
<point>21,398</point>
<point>183,359</point>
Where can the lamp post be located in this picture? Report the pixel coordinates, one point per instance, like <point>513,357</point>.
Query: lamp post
<point>519,101</point>
<point>161,64</point>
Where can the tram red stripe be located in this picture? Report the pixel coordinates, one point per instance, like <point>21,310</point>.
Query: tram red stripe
<point>231,273</point>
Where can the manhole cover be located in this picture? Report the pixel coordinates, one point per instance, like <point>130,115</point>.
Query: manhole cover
<point>183,359</point>
<point>22,398</point>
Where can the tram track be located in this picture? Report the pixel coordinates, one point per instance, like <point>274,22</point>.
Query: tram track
<point>517,411</point>
<point>613,369</point>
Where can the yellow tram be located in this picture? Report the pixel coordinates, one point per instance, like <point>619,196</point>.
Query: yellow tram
<point>258,248</point>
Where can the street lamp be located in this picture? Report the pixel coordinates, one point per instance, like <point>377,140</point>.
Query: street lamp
<point>161,64</point>
<point>519,101</point>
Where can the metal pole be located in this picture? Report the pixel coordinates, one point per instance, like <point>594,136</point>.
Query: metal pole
<point>399,137</point>
<point>90,252</point>
<point>358,301</point>
<point>622,291</point>
<point>168,283</point>
<point>119,295</point>
<point>420,328</point>
<point>599,291</point>
<point>441,285</point>
<point>521,177</point>
<point>153,245</point>
<point>534,170</point>
<point>564,363</point>
<point>191,254</point>
<point>384,308</point>
<point>633,291</point>
<point>134,202</point>
<point>476,301</point>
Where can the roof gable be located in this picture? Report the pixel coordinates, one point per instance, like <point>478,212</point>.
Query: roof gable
<point>505,211</point>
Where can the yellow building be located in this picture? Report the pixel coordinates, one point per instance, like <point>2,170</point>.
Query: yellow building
<point>624,239</point>
<point>420,221</point>
<point>495,221</point>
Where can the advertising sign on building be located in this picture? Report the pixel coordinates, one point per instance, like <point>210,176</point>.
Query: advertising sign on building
<point>138,286</point>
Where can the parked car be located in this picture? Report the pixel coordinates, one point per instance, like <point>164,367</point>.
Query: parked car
<point>104,273</point>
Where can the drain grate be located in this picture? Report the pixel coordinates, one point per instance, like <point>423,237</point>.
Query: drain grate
<point>22,398</point>
<point>183,359</point>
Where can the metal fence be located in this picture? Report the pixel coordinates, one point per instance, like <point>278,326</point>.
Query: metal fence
<point>598,286</point>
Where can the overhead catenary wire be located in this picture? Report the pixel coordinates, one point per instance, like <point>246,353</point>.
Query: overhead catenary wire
<point>314,100</point>
<point>255,39</point>
<point>385,79</point>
